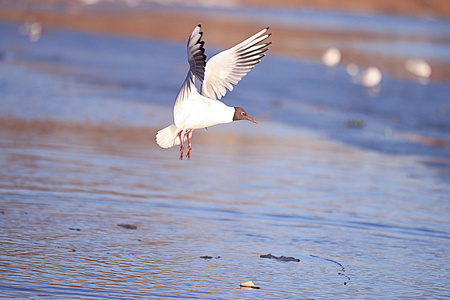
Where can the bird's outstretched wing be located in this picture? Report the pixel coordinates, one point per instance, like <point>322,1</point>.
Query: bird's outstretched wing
<point>196,54</point>
<point>228,67</point>
<point>197,61</point>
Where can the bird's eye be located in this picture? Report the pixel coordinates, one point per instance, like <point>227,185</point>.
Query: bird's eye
<point>243,113</point>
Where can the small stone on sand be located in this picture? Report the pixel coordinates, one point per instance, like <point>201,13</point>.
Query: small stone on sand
<point>249,284</point>
<point>128,226</point>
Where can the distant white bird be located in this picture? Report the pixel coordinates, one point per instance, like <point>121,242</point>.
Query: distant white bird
<point>370,78</point>
<point>331,57</point>
<point>418,67</point>
<point>32,29</point>
<point>194,110</point>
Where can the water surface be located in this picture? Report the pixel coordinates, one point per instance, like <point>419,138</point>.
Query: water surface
<point>64,192</point>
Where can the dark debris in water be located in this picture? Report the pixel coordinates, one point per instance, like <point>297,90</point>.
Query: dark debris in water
<point>280,258</point>
<point>76,229</point>
<point>127,226</point>
<point>207,257</point>
<point>341,272</point>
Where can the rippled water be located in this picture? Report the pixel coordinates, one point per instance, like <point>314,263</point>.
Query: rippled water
<point>64,192</point>
<point>90,207</point>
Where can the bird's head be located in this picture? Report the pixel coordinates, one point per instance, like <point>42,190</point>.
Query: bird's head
<point>241,114</point>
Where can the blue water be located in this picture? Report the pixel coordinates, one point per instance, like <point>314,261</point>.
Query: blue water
<point>366,212</point>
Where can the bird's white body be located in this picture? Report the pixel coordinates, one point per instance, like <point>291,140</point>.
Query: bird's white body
<point>200,112</point>
<point>194,109</point>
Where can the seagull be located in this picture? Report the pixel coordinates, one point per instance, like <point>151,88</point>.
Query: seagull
<point>331,57</point>
<point>201,108</point>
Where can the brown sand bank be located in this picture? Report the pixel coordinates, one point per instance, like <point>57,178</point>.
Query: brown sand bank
<point>425,8</point>
<point>437,8</point>
<point>223,31</point>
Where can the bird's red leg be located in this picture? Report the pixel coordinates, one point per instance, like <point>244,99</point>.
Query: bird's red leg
<point>188,153</point>
<point>181,143</point>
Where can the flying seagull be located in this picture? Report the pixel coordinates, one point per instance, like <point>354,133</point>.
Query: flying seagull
<point>196,109</point>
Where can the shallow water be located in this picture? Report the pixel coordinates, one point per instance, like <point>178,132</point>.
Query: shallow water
<point>366,212</point>
<point>64,192</point>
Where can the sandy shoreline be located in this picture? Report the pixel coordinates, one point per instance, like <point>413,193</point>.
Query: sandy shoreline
<point>309,43</point>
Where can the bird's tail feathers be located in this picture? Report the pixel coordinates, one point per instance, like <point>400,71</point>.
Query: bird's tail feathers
<point>168,137</point>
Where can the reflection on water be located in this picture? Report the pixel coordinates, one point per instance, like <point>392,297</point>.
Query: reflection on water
<point>64,191</point>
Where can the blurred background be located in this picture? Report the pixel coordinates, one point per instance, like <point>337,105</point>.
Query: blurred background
<point>361,43</point>
<point>399,37</point>
<point>348,169</point>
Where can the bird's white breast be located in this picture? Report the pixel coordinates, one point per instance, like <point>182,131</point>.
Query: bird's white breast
<point>200,112</point>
